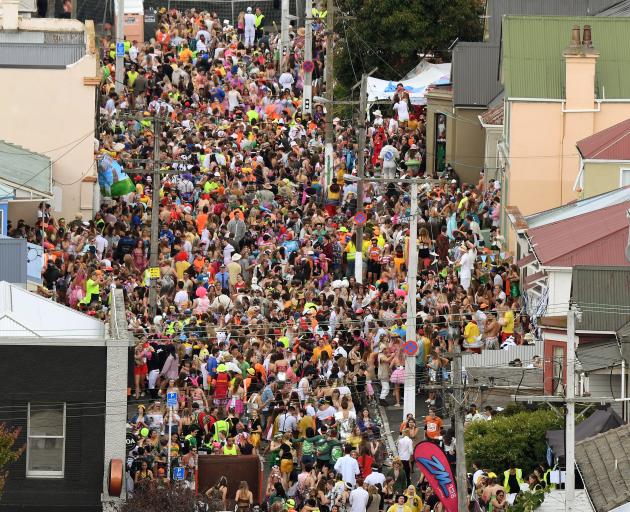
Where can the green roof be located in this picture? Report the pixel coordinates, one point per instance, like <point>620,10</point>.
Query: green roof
<point>533,64</point>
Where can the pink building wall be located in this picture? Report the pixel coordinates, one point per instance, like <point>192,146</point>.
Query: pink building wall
<point>543,160</point>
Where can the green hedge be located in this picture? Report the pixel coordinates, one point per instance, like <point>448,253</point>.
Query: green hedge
<point>519,438</point>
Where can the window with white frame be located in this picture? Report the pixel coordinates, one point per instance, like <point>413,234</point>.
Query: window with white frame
<point>46,440</point>
<point>624,178</point>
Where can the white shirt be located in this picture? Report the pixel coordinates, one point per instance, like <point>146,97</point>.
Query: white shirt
<point>403,111</point>
<point>250,21</point>
<point>287,423</point>
<point>303,388</point>
<point>359,500</point>
<point>348,468</point>
<point>133,54</point>
<point>405,448</point>
<point>388,154</point>
<point>375,478</point>
<point>180,297</point>
<point>101,244</point>
<point>286,80</point>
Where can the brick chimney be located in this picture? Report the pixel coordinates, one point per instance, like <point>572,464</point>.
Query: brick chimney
<point>10,14</point>
<point>580,59</point>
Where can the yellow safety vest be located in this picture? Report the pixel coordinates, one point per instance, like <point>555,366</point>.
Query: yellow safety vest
<point>519,479</point>
<point>319,14</point>
<point>258,19</point>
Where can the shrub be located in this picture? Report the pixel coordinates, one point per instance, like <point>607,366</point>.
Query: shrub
<point>519,438</point>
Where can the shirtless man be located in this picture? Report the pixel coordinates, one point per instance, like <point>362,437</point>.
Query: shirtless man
<point>491,331</point>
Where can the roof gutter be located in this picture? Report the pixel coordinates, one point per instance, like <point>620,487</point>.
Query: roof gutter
<point>537,100</point>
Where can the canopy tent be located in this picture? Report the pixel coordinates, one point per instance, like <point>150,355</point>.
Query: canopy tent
<point>428,74</point>
<point>599,422</point>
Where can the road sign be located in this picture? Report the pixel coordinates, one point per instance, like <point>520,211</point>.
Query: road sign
<point>154,272</point>
<point>120,49</point>
<point>131,441</point>
<point>171,399</point>
<point>410,348</point>
<point>360,219</point>
<point>308,66</point>
<point>178,473</point>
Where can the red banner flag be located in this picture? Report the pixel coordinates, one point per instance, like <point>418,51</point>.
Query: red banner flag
<point>436,469</point>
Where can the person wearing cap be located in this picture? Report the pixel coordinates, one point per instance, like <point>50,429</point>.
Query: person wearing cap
<point>250,28</point>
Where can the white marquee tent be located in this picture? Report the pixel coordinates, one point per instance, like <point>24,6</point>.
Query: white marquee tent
<point>426,74</point>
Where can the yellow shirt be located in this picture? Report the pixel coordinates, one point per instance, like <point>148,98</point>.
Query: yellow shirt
<point>180,268</point>
<point>471,332</point>
<point>508,318</point>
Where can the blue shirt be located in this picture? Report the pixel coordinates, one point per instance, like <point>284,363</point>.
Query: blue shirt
<point>212,366</point>
<point>266,397</point>
<point>223,278</point>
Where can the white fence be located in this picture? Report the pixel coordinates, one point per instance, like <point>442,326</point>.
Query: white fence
<point>502,357</point>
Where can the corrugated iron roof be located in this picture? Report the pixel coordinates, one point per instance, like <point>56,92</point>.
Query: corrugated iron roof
<point>597,237</point>
<point>580,207</point>
<point>599,292</point>
<point>610,144</point>
<point>533,65</point>
<point>496,9</point>
<point>475,74</point>
<point>20,167</point>
<point>595,356</point>
<point>619,9</point>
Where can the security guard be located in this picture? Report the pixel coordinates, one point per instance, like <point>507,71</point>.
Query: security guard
<point>512,479</point>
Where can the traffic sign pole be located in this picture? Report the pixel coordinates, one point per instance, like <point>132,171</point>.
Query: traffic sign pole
<point>171,401</point>
<point>409,387</point>
<point>307,98</point>
<point>168,464</point>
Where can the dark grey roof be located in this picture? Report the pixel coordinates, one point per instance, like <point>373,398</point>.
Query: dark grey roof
<point>598,292</point>
<point>619,9</point>
<point>475,74</point>
<point>604,462</point>
<point>496,9</point>
<point>623,334</point>
<point>596,356</point>
<point>600,421</point>
<point>40,49</point>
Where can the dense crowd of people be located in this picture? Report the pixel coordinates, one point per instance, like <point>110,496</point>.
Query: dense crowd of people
<point>273,342</point>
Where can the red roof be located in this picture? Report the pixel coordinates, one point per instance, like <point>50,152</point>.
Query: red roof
<point>493,116</point>
<point>610,144</point>
<point>594,238</point>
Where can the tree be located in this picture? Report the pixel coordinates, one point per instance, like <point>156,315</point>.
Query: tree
<point>8,454</point>
<point>391,33</point>
<point>154,496</point>
<point>519,439</point>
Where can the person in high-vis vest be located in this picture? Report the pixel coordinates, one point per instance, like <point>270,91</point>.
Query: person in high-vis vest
<point>258,23</point>
<point>512,479</point>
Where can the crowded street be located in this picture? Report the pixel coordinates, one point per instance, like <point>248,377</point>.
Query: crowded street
<point>270,259</point>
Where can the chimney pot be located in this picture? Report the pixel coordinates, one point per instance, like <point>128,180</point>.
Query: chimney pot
<point>587,40</point>
<point>10,10</point>
<point>575,36</point>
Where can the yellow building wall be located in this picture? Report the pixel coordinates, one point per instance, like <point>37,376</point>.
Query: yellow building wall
<point>601,177</point>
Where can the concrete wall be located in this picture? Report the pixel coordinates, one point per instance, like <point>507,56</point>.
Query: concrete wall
<point>51,109</point>
<point>602,177</point>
